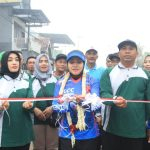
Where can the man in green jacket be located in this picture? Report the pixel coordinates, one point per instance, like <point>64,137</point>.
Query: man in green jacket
<point>124,122</point>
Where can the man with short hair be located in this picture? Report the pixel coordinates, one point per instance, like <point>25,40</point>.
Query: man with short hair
<point>60,66</point>
<point>124,122</point>
<point>30,64</point>
<point>112,60</point>
<point>91,67</point>
<point>108,61</point>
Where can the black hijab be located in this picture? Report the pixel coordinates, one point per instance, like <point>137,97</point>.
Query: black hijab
<point>4,65</point>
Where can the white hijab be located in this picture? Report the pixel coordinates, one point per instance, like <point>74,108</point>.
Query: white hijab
<point>37,72</point>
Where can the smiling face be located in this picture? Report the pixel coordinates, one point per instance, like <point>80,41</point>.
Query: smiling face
<point>13,63</point>
<point>43,64</point>
<point>75,66</point>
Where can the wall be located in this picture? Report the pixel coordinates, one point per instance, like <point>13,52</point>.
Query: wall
<point>5,28</point>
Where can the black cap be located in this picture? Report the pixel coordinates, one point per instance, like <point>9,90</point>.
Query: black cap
<point>127,42</point>
<point>91,50</point>
<point>61,56</point>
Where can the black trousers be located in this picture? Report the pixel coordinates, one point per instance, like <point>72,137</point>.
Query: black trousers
<point>90,144</point>
<point>146,145</point>
<point>25,147</point>
<point>114,142</point>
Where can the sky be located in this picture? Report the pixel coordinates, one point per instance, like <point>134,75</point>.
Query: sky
<point>99,24</point>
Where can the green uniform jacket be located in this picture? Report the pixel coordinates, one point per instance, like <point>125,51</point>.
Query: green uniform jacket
<point>131,84</point>
<point>49,86</point>
<point>16,125</point>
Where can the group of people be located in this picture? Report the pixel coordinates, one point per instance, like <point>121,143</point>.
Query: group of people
<point>77,106</point>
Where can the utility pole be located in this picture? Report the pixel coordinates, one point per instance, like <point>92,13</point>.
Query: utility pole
<point>28,41</point>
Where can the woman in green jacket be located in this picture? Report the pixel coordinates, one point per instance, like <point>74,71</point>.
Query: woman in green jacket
<point>46,137</point>
<point>15,123</point>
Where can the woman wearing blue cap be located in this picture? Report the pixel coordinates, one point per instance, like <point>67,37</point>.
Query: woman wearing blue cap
<point>78,128</point>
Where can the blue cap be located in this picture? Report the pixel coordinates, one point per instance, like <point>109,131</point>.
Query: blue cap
<point>76,53</point>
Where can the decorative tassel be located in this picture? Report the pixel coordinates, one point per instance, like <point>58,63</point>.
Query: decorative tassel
<point>61,91</point>
<point>81,119</point>
<point>73,140</point>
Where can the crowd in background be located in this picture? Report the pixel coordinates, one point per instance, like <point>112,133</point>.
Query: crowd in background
<point>62,124</point>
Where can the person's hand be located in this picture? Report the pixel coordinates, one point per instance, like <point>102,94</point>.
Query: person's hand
<point>120,102</point>
<point>99,120</point>
<point>73,105</point>
<point>148,135</point>
<point>60,100</point>
<point>78,98</point>
<point>39,114</point>
<point>48,111</point>
<point>4,105</point>
<point>27,105</point>
<point>148,139</point>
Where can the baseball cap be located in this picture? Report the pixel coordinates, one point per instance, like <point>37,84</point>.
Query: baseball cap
<point>61,56</point>
<point>127,42</point>
<point>91,50</point>
<point>76,53</point>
